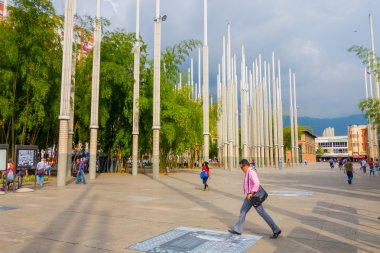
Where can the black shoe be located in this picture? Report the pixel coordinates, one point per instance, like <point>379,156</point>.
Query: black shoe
<point>233,232</point>
<point>275,235</point>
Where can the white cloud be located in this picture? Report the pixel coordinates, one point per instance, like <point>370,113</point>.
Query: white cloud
<point>311,37</point>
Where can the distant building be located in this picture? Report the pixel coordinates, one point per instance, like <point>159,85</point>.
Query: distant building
<point>307,147</point>
<point>357,141</point>
<point>333,147</point>
<point>329,132</point>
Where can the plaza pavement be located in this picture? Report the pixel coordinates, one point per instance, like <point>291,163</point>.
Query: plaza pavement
<point>119,210</point>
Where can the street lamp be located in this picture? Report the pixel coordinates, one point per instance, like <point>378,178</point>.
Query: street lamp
<point>156,90</point>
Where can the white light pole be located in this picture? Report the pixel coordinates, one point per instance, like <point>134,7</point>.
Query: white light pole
<point>275,114</point>
<point>156,92</point>
<point>95,94</point>
<point>72,100</point>
<point>291,118</point>
<point>136,93</point>
<point>5,11</point>
<point>205,89</point>
<point>64,115</point>
<point>296,148</point>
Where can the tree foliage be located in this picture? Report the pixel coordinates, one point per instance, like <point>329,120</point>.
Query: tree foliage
<point>30,69</point>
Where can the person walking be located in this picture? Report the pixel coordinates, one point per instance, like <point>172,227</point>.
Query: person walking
<point>376,165</point>
<point>10,174</point>
<point>40,172</point>
<point>371,167</point>
<point>280,164</point>
<point>81,176</point>
<point>349,169</point>
<point>340,164</point>
<point>206,169</point>
<point>251,186</point>
<point>364,166</point>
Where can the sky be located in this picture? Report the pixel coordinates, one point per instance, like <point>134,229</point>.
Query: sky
<point>310,37</point>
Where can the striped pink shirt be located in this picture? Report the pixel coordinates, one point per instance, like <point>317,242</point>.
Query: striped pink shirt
<point>251,181</point>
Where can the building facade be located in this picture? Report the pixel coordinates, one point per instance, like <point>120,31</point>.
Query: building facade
<point>332,147</point>
<point>307,149</point>
<point>357,141</point>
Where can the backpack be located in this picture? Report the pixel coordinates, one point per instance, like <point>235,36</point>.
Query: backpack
<point>10,175</point>
<point>40,171</point>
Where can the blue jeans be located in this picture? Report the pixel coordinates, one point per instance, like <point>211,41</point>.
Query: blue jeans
<point>260,210</point>
<point>40,178</point>
<point>81,175</point>
<point>350,175</point>
<point>205,182</point>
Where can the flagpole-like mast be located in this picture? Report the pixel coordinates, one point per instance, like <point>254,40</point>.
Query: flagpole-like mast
<point>270,129</point>
<point>280,116</point>
<point>156,92</point>
<point>291,118</point>
<point>374,152</point>
<point>95,94</point>
<point>205,90</point>
<point>72,100</point>
<point>275,114</point>
<point>64,115</point>
<point>296,148</point>
<point>136,93</point>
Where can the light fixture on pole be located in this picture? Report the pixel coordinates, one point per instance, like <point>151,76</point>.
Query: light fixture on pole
<point>136,91</point>
<point>156,90</point>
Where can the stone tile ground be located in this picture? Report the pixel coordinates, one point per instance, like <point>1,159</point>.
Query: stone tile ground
<point>117,211</point>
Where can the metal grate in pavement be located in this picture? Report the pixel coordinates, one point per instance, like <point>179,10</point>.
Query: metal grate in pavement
<point>194,240</point>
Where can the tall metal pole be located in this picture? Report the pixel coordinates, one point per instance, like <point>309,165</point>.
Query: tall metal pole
<point>244,120</point>
<point>205,89</point>
<point>156,93</point>
<point>375,76</point>
<point>199,75</point>
<point>270,128</point>
<point>280,116</point>
<point>275,114</point>
<point>224,107</point>
<point>5,11</point>
<point>95,94</point>
<point>136,93</point>
<point>266,126</point>
<point>64,115</point>
<point>291,118</point>
<point>72,101</point>
<point>296,148</point>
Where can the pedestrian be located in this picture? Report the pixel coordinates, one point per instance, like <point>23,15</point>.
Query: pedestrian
<point>10,175</point>
<point>205,169</point>
<point>340,164</point>
<point>251,186</point>
<point>288,163</point>
<point>253,164</point>
<point>376,165</point>
<point>349,169</point>
<point>371,167</point>
<point>40,172</point>
<point>305,162</point>
<point>280,164</point>
<point>363,165</point>
<point>81,176</point>
<point>331,163</point>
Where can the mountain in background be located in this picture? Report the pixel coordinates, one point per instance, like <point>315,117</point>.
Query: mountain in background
<point>339,124</point>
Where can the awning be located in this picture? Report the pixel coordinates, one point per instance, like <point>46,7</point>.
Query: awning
<point>359,156</point>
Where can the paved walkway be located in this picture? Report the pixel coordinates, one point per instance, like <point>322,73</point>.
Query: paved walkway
<point>117,211</point>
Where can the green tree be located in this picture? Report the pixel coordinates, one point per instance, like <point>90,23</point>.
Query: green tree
<point>370,106</point>
<point>30,69</point>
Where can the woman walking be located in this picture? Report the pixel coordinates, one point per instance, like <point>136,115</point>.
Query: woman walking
<point>206,175</point>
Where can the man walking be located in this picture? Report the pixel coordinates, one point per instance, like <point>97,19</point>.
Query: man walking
<point>40,172</point>
<point>348,168</point>
<point>251,186</point>
<point>81,177</point>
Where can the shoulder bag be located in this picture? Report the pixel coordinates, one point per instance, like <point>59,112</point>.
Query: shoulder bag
<point>258,197</point>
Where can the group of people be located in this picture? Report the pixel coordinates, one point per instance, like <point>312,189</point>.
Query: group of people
<point>251,185</point>
<point>373,166</point>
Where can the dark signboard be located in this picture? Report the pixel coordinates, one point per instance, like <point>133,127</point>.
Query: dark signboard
<point>26,157</point>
